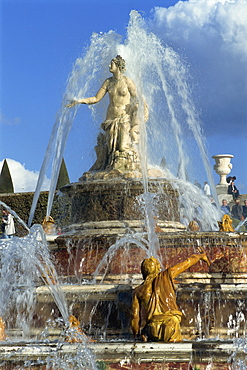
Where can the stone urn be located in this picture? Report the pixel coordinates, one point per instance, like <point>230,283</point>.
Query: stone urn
<point>223,166</point>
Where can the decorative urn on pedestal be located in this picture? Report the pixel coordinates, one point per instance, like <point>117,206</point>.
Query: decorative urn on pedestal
<point>222,167</point>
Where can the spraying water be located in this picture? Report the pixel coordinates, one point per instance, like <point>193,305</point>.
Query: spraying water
<point>24,261</point>
<point>136,239</point>
<point>83,76</point>
<point>18,283</point>
<point>241,223</point>
<point>173,131</point>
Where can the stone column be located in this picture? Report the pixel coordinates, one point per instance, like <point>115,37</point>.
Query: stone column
<point>223,168</point>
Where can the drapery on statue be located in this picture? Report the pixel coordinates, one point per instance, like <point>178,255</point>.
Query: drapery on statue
<point>155,314</point>
<point>116,148</point>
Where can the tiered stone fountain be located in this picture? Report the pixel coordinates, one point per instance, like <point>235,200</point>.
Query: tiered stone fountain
<point>120,213</point>
<point>212,300</point>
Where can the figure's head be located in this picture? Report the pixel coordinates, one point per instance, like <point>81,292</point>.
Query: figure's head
<point>224,202</point>
<point>226,224</point>
<point>193,226</point>
<point>150,266</point>
<point>237,201</point>
<point>245,202</point>
<point>73,321</point>
<point>120,63</point>
<point>226,219</point>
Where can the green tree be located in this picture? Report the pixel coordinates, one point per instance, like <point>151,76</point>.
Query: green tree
<point>6,184</point>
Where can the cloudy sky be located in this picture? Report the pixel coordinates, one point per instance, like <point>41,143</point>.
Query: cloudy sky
<point>40,41</point>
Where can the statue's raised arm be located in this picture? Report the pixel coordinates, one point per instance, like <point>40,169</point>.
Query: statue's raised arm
<point>116,147</point>
<point>93,100</point>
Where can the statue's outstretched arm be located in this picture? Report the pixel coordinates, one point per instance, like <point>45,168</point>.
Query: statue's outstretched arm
<point>92,100</point>
<point>192,260</point>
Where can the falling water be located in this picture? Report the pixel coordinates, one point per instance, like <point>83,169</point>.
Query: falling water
<point>163,79</point>
<point>136,239</point>
<point>24,261</point>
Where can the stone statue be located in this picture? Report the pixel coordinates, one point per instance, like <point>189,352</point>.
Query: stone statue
<point>226,224</point>
<point>117,148</point>
<point>155,314</point>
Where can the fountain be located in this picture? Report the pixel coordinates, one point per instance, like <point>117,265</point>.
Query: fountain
<point>124,209</point>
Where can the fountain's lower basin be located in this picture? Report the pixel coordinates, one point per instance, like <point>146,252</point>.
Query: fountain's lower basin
<point>213,306</point>
<point>127,355</point>
<point>213,299</point>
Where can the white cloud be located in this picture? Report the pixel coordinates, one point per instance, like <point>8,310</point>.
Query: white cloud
<point>212,36</point>
<point>23,180</point>
<point>208,19</point>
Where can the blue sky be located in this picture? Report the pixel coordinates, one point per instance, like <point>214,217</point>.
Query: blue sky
<point>40,41</point>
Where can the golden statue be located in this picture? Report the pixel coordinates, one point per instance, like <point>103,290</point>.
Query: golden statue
<point>155,314</point>
<point>77,336</point>
<point>226,224</point>
<point>116,147</point>
<point>2,330</point>
<point>49,226</point>
<point>193,226</point>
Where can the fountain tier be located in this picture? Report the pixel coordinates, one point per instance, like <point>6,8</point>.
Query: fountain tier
<point>116,199</point>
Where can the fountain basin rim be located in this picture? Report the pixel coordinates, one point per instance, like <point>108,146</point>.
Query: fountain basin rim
<point>229,288</point>
<point>171,239</point>
<point>118,351</point>
<point>118,227</point>
<point>97,288</point>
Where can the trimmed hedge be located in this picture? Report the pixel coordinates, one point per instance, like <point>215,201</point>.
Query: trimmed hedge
<point>21,203</point>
